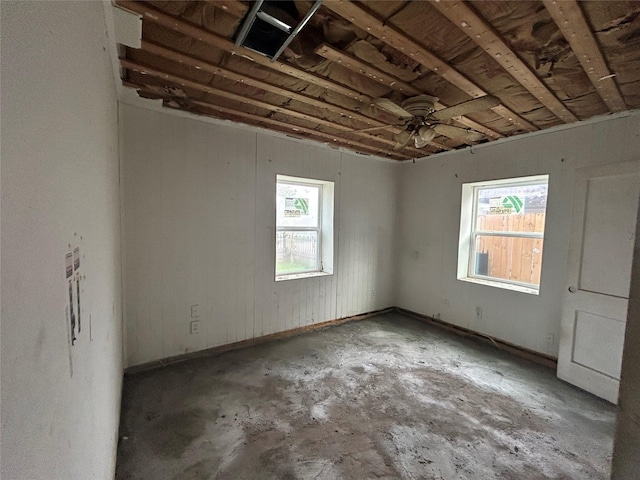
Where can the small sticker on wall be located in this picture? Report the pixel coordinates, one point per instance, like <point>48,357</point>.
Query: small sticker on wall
<point>72,314</point>
<point>68,260</point>
<point>78,302</point>
<point>68,320</point>
<point>75,310</point>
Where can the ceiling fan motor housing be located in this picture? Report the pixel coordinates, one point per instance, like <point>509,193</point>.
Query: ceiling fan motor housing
<point>420,105</point>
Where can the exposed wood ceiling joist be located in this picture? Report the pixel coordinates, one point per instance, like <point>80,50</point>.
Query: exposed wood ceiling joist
<point>340,79</point>
<point>406,45</point>
<point>226,45</point>
<point>235,8</point>
<point>286,128</point>
<point>146,70</point>
<point>242,78</point>
<point>185,82</point>
<point>571,21</point>
<point>151,14</point>
<point>399,41</point>
<point>484,35</point>
<point>297,131</point>
<point>357,65</point>
<point>309,133</point>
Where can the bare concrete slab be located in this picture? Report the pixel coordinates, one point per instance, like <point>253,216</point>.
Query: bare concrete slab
<point>386,397</point>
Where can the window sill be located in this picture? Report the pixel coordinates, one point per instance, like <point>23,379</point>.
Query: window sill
<point>504,286</point>
<point>295,276</point>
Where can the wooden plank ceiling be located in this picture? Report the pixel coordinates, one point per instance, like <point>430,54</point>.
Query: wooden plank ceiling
<point>548,62</point>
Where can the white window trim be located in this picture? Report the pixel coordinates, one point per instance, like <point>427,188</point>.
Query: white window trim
<point>317,228</point>
<point>325,228</point>
<point>469,232</point>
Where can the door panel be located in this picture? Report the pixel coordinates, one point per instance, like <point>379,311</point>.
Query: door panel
<point>609,222</point>
<point>607,332</point>
<point>598,277</point>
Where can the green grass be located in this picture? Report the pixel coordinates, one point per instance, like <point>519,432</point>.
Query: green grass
<point>289,267</point>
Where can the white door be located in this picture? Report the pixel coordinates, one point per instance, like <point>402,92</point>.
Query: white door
<point>598,275</point>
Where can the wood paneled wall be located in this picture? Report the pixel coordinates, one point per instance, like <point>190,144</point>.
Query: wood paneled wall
<point>429,211</point>
<point>199,215</point>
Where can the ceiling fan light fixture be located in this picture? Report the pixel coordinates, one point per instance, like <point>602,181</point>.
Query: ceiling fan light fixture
<point>426,134</point>
<point>419,142</point>
<point>403,137</point>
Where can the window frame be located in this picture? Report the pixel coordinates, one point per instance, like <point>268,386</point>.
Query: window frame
<point>326,229</point>
<point>469,232</point>
<point>317,228</point>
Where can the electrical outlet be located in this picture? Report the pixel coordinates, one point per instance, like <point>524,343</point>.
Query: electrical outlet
<point>551,339</point>
<point>195,311</point>
<point>478,312</point>
<point>446,302</point>
<point>373,293</point>
<point>194,327</point>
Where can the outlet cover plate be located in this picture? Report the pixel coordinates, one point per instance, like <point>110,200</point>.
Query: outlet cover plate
<point>194,327</point>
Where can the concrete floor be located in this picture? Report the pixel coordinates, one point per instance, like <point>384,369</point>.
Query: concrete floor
<point>386,397</point>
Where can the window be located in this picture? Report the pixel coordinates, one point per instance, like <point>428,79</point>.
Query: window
<point>502,232</point>
<point>304,227</point>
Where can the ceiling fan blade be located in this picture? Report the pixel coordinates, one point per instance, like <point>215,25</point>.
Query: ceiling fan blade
<point>371,129</point>
<point>403,139</point>
<point>394,109</point>
<point>458,133</point>
<point>475,105</point>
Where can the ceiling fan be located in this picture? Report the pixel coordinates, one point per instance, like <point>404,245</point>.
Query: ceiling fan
<point>421,122</point>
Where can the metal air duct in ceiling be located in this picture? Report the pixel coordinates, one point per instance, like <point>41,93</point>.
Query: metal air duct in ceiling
<point>268,28</point>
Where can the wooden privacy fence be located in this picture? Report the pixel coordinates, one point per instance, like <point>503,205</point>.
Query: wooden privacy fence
<point>509,258</point>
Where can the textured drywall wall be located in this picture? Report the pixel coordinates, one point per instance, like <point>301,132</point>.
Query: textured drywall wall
<point>429,213</point>
<point>626,448</point>
<point>199,228</point>
<point>60,403</point>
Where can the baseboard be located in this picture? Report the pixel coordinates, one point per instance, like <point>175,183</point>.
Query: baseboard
<point>537,357</point>
<point>249,342</point>
<point>540,358</point>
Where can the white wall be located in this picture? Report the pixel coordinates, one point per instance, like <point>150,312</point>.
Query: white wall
<point>429,212</point>
<point>59,179</point>
<point>625,464</point>
<point>199,203</point>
